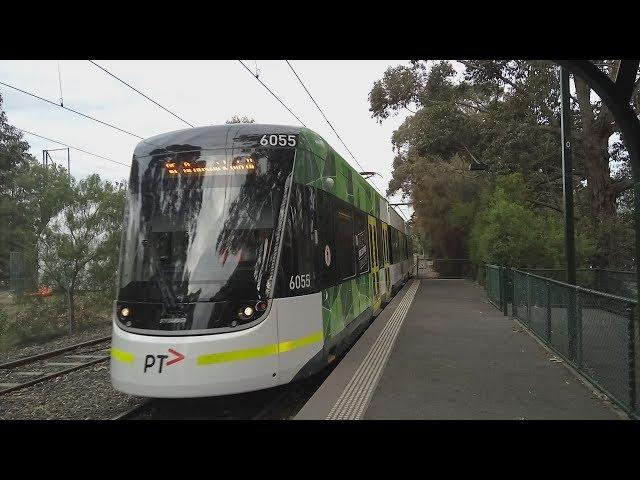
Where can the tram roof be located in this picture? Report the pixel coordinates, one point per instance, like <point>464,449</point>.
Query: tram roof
<point>218,136</point>
<point>212,136</point>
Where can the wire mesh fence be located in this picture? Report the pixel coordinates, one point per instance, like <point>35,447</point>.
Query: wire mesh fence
<point>494,291</point>
<point>596,332</point>
<point>33,319</point>
<point>615,282</point>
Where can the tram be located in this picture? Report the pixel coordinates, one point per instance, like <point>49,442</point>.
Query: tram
<point>251,256</point>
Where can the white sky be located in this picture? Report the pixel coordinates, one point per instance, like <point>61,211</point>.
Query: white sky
<point>201,92</point>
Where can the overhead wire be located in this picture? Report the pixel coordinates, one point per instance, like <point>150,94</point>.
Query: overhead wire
<point>78,113</point>
<point>332,127</point>
<point>71,146</point>
<point>271,92</point>
<point>60,84</point>
<point>139,92</point>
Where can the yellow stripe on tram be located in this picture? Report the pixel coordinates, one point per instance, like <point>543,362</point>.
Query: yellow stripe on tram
<point>122,356</point>
<point>257,352</point>
<point>300,342</point>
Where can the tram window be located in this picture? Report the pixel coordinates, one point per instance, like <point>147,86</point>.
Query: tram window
<point>389,249</point>
<point>395,247</point>
<point>298,273</point>
<point>326,252</point>
<point>362,243</point>
<point>380,252</point>
<point>343,225</point>
<point>330,165</point>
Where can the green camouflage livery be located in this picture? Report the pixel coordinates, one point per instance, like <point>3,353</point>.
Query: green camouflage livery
<point>316,162</point>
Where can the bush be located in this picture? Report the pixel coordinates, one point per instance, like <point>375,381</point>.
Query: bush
<point>509,232</point>
<point>36,319</point>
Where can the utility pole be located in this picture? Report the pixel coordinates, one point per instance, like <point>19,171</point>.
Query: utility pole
<point>567,191</point>
<point>567,172</point>
<point>46,158</point>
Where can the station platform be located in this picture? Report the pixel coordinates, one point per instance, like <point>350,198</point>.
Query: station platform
<point>440,351</point>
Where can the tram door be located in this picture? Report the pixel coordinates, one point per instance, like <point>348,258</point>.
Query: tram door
<point>375,269</point>
<point>385,259</point>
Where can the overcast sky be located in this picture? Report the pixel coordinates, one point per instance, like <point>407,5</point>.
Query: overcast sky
<point>201,92</point>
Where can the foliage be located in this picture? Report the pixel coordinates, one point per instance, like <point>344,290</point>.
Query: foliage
<point>79,247</point>
<point>38,319</point>
<point>70,229</point>
<point>507,231</point>
<point>505,113</point>
<point>443,196</point>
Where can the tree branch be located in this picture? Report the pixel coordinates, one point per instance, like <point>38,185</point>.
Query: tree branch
<point>552,207</point>
<point>502,77</point>
<point>456,102</point>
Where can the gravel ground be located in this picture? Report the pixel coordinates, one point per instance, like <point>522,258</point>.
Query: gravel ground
<point>81,395</point>
<point>15,353</point>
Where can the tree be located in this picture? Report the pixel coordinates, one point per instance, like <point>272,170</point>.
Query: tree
<point>507,230</point>
<point>14,155</point>
<point>79,244</point>
<point>237,119</point>
<point>39,193</point>
<point>506,113</point>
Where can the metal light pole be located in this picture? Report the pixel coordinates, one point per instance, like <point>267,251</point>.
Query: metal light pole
<point>567,191</point>
<point>567,173</point>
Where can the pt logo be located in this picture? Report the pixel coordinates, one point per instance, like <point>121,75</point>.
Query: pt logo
<point>150,360</point>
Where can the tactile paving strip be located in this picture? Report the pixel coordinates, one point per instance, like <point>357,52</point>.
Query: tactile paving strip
<point>356,396</point>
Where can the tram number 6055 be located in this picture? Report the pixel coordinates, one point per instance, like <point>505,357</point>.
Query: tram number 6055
<point>300,281</point>
<point>279,140</point>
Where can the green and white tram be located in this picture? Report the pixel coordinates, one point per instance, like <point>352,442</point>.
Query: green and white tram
<point>251,256</point>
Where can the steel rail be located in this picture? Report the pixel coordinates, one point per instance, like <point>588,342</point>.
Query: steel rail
<point>52,353</point>
<point>52,375</point>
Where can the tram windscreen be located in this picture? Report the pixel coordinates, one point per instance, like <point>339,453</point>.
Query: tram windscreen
<point>199,226</point>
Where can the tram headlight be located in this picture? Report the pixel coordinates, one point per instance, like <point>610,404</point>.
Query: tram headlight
<point>246,312</point>
<point>124,311</point>
<point>249,311</point>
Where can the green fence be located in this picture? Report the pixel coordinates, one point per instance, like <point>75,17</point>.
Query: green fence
<point>494,285</point>
<point>615,282</point>
<point>595,332</point>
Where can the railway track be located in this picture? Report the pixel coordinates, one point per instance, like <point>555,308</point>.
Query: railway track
<point>24,372</point>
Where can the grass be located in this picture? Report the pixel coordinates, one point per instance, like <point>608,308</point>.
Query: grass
<point>34,320</point>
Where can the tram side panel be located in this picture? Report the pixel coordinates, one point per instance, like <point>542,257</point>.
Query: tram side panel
<point>301,336</point>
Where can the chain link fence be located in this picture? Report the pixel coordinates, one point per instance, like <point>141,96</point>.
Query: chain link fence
<point>596,332</point>
<point>615,282</point>
<point>493,285</point>
<point>31,313</point>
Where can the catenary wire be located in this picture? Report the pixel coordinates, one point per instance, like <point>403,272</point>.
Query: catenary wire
<point>72,147</point>
<point>331,125</point>
<point>139,92</point>
<point>79,113</point>
<point>271,92</point>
